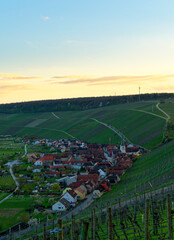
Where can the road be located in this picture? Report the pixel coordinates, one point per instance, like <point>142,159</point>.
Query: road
<point>167,115</point>
<point>10,164</point>
<point>114,130</point>
<point>55,115</point>
<point>25,151</point>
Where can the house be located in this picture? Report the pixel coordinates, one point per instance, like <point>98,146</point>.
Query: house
<point>89,186</point>
<point>61,205</point>
<point>38,162</point>
<point>67,180</point>
<point>84,188</point>
<point>80,193</point>
<point>70,196</point>
<point>77,164</point>
<point>96,194</point>
<point>102,173</point>
<point>87,177</point>
<point>71,179</point>
<point>36,170</point>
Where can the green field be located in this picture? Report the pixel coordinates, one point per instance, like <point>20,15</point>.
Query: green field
<point>11,209</point>
<point>7,180</point>
<point>3,195</point>
<point>137,121</point>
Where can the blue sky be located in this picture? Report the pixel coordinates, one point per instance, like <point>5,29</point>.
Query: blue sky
<point>81,41</point>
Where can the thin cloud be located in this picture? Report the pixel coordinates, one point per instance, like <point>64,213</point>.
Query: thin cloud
<point>15,87</point>
<point>46,18</point>
<point>11,76</point>
<point>70,77</point>
<point>110,79</point>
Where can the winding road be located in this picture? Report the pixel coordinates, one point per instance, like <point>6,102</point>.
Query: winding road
<point>167,115</point>
<point>121,135</point>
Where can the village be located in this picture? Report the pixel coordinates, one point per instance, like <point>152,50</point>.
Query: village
<point>78,170</point>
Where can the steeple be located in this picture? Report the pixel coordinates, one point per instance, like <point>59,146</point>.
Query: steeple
<point>122,146</point>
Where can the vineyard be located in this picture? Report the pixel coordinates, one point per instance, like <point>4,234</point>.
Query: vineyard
<point>149,216</point>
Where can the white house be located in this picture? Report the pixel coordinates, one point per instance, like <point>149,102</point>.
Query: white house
<point>36,170</point>
<point>70,196</point>
<point>61,205</point>
<point>38,163</point>
<point>102,173</point>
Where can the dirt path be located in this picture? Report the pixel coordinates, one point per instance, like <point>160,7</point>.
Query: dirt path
<point>55,115</point>
<point>167,115</point>
<point>25,151</point>
<point>62,130</point>
<point>156,115</point>
<point>15,180</point>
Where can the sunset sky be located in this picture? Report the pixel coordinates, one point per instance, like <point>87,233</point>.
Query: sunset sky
<point>51,49</point>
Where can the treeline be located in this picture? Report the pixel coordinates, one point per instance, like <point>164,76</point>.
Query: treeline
<point>72,104</point>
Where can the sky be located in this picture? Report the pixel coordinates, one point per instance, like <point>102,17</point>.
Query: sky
<point>52,49</point>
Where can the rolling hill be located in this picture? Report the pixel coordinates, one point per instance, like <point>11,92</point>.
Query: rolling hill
<point>141,122</point>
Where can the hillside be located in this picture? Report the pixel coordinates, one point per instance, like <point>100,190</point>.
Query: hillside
<point>141,122</point>
<point>75,104</point>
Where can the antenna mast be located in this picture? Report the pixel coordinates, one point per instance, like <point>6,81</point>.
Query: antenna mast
<point>139,94</point>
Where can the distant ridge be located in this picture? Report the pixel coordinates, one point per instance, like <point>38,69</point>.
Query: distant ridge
<point>71,104</point>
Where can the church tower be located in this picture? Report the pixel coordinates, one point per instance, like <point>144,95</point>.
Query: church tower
<point>122,146</point>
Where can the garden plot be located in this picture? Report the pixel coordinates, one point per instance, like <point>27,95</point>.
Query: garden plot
<point>35,123</point>
<point>9,212</point>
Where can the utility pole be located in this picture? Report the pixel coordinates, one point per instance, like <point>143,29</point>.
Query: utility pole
<point>139,94</point>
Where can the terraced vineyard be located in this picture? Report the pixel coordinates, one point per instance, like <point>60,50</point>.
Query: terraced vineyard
<point>137,121</point>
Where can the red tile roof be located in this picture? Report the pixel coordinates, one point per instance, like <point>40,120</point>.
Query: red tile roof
<point>94,177</point>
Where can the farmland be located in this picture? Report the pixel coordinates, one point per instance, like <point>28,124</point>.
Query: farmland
<point>140,122</point>
<point>10,211</point>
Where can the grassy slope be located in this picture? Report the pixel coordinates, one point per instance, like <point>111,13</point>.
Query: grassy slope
<point>139,127</point>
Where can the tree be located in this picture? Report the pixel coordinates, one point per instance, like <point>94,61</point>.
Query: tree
<point>28,188</point>
<point>24,217</point>
<point>37,179</point>
<point>29,169</point>
<point>56,187</point>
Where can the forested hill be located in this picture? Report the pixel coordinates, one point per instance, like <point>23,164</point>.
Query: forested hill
<point>78,103</point>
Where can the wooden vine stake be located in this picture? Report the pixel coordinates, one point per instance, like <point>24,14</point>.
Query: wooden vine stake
<point>44,232</point>
<point>84,232</point>
<point>147,211</point>
<point>110,226</point>
<point>60,226</point>
<point>73,228</point>
<point>94,225</point>
<point>169,217</point>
